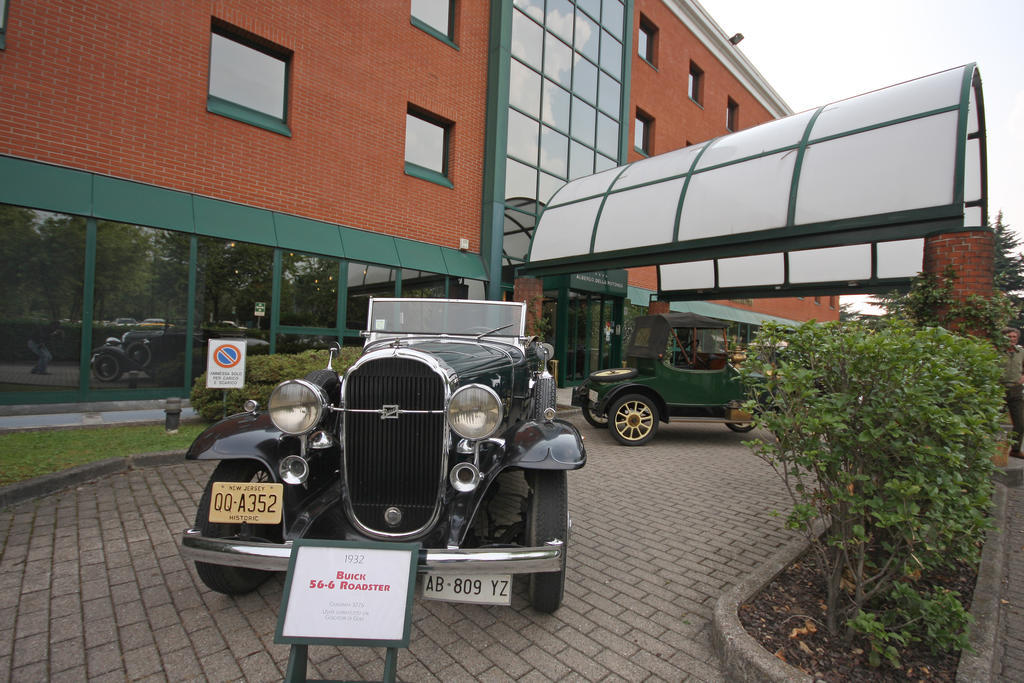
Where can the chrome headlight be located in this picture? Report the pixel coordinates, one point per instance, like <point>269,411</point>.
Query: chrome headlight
<point>474,411</point>
<point>296,406</point>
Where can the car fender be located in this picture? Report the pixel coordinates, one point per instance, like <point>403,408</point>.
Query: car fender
<point>554,445</point>
<point>641,389</point>
<point>245,436</point>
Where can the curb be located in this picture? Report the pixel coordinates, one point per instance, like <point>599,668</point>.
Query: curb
<point>743,659</point>
<point>58,481</point>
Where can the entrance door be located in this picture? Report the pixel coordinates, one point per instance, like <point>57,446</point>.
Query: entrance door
<point>590,335</point>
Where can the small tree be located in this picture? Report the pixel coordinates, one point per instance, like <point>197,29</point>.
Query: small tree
<point>885,435</point>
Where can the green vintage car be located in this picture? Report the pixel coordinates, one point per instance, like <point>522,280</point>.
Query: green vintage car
<point>679,368</point>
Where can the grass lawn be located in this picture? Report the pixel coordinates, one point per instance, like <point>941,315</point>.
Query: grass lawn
<point>24,455</point>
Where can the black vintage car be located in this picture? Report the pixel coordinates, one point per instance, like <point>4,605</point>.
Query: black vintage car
<point>443,433</point>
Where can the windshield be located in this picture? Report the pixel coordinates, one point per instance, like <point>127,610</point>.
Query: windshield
<point>445,316</point>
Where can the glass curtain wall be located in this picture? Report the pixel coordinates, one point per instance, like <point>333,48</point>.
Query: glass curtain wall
<point>565,100</point>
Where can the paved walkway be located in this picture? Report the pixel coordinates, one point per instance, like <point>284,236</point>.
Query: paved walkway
<point>92,586</point>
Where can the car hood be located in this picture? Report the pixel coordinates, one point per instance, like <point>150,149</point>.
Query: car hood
<point>469,359</point>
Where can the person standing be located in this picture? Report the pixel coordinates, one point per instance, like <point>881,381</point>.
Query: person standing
<point>38,343</point>
<point>1013,382</point>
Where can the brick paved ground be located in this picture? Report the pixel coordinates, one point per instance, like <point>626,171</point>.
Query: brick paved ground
<point>92,586</point>
<point>1009,659</point>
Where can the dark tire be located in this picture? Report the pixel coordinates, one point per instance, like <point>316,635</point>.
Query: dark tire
<point>140,354</point>
<point>633,420</point>
<point>106,368</point>
<point>741,427</point>
<point>613,374</point>
<point>328,381</point>
<point>592,417</point>
<point>547,518</point>
<point>222,578</point>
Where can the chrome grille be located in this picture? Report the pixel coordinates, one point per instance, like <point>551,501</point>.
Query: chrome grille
<point>396,461</point>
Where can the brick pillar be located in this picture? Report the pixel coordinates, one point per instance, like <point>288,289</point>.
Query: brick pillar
<point>969,254</point>
<point>530,291</point>
<point>657,308</point>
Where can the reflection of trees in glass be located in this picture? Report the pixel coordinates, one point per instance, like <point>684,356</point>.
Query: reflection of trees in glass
<point>309,290</point>
<point>231,278</point>
<point>43,256</point>
<point>140,273</point>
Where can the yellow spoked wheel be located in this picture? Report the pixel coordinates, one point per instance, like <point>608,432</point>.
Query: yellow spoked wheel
<point>634,420</point>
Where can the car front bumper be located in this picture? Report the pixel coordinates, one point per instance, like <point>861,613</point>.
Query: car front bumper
<point>275,556</point>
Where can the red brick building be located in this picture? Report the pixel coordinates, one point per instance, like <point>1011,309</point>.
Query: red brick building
<point>214,167</point>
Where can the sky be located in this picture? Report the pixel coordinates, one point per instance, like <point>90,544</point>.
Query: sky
<point>814,52</point>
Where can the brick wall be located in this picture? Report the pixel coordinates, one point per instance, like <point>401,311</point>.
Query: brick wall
<point>971,256</point>
<point>119,87</point>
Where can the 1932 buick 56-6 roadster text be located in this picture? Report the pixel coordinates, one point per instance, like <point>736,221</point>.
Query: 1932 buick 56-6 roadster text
<point>443,433</point>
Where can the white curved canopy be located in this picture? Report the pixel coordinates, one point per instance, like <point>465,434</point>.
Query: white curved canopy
<point>840,194</point>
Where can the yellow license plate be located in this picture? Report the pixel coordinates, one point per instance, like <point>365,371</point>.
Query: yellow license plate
<point>234,503</point>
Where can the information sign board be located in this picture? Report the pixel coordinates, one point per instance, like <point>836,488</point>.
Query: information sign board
<point>348,593</point>
<point>225,364</point>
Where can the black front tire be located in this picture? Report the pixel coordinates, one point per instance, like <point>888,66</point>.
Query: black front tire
<point>633,420</point>
<point>106,368</point>
<point>547,518</point>
<point>222,578</point>
<point>740,427</point>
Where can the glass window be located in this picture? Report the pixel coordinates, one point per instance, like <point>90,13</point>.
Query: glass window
<point>365,281</point>
<point>611,53</point>
<point>559,19</point>
<point>535,8</point>
<point>584,79</point>
<point>140,308</point>
<point>426,143</point>
<point>527,40</point>
<point>434,14</point>
<point>611,95</point>
<point>547,187</point>
<point>643,132</point>
<point>556,106</point>
<point>41,309</point>
<point>520,181</point>
<point>309,290</point>
<point>647,40</point>
<point>591,7</point>
<point>732,115</point>
<point>3,22</point>
<point>231,278</point>
<point>611,16</point>
<point>581,160</point>
<point>248,75</point>
<point>583,121</point>
<point>695,86</point>
<point>525,89</point>
<point>554,152</point>
<point>558,61</point>
<point>603,163</point>
<point>588,37</point>
<point>523,135</point>
<point>607,136</point>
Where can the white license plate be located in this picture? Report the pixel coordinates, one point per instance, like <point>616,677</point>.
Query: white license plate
<point>487,589</point>
<point>255,503</point>
<point>593,396</point>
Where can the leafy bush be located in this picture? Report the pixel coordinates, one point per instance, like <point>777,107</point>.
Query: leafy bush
<point>886,435</point>
<point>262,374</point>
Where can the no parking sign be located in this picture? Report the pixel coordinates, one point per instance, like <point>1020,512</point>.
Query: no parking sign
<point>225,364</point>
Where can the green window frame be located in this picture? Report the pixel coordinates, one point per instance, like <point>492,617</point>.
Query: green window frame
<point>647,41</point>
<point>695,84</point>
<point>234,52</point>
<point>732,115</point>
<point>425,15</point>
<point>427,146</point>
<point>643,133</point>
<point>4,4</point>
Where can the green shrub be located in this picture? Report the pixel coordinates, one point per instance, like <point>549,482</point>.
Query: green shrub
<point>887,436</point>
<point>262,374</point>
